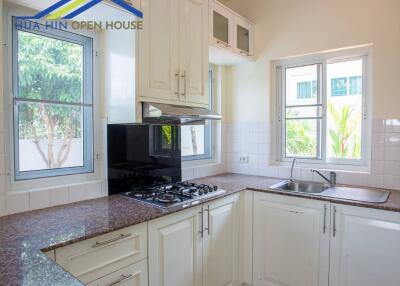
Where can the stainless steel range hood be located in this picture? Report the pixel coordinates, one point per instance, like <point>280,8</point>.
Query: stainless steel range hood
<point>175,114</point>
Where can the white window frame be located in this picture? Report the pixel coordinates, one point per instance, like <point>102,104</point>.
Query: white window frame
<point>322,60</point>
<point>99,124</point>
<point>86,104</point>
<point>209,130</point>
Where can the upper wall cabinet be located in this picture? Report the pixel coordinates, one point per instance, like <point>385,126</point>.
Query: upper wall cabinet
<point>231,36</point>
<point>173,52</point>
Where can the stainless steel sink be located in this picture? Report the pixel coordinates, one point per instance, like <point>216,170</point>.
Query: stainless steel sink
<point>347,193</point>
<point>300,187</point>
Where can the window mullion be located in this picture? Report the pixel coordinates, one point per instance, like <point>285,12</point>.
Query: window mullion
<point>324,100</point>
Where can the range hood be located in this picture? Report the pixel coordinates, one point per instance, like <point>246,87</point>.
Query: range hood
<point>176,114</point>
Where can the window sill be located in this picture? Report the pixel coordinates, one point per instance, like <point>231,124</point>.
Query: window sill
<point>199,163</point>
<point>360,169</point>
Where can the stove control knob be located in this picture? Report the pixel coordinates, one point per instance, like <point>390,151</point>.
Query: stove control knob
<point>206,190</point>
<point>215,188</point>
<point>200,192</point>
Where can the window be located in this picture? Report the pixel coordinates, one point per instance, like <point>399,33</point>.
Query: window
<point>339,86</point>
<point>196,140</point>
<point>307,89</point>
<point>329,126</point>
<point>52,79</point>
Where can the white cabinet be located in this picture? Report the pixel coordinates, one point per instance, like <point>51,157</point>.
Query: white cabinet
<point>133,275</point>
<point>302,242</point>
<point>221,242</point>
<point>94,258</point>
<point>291,241</point>
<point>196,247</point>
<point>365,248</point>
<point>231,36</point>
<point>173,52</point>
<point>175,247</point>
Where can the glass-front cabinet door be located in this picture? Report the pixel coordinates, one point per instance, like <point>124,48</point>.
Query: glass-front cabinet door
<point>222,26</point>
<point>244,37</point>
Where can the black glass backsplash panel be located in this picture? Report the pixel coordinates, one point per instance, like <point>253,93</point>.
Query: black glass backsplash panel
<point>142,155</point>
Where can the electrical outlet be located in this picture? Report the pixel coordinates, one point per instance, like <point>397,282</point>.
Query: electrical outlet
<point>244,159</point>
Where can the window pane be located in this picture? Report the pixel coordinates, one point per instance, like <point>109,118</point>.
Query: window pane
<point>301,85</point>
<point>50,136</point>
<point>300,112</point>
<point>302,138</point>
<point>49,69</point>
<point>344,117</point>
<point>339,86</point>
<point>193,140</point>
<point>355,85</point>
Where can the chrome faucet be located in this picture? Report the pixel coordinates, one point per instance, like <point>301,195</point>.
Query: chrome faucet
<point>331,181</point>
<point>291,171</point>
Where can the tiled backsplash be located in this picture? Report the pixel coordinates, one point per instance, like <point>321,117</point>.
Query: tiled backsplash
<point>238,140</point>
<point>254,140</point>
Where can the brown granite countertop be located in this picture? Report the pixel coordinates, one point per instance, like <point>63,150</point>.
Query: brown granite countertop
<point>24,236</point>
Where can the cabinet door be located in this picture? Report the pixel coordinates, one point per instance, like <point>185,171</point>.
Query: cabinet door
<point>365,248</point>
<point>133,275</point>
<point>194,56</point>
<point>175,246</point>
<point>291,241</point>
<point>158,51</point>
<point>244,37</point>
<point>221,29</point>
<point>221,242</point>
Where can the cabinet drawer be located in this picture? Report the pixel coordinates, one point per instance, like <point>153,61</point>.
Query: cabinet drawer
<point>94,258</point>
<point>133,275</point>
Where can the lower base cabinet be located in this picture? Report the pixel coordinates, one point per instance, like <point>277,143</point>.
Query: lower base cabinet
<point>134,275</point>
<point>365,247</point>
<point>196,247</point>
<point>291,241</point>
<point>303,242</point>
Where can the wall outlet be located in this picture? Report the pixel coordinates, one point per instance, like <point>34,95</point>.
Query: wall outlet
<point>244,159</point>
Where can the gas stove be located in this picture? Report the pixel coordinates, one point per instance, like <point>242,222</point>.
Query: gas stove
<point>174,194</point>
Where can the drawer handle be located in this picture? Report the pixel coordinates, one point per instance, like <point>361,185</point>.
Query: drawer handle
<point>120,280</point>
<point>122,236</point>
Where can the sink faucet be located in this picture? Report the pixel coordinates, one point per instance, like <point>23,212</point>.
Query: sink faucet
<point>291,171</point>
<point>331,181</point>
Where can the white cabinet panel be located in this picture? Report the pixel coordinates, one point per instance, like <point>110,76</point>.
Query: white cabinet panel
<point>159,50</point>
<point>291,244</point>
<point>365,248</point>
<point>195,51</point>
<point>221,242</point>
<point>175,246</point>
<point>133,275</point>
<point>91,259</point>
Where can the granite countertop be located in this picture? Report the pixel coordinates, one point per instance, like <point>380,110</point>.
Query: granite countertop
<point>24,237</point>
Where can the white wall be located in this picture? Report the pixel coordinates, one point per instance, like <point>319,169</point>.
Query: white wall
<point>287,28</point>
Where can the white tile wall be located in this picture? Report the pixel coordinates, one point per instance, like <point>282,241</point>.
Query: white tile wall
<point>254,140</point>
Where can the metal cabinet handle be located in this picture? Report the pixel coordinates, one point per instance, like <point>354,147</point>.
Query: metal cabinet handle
<point>208,220</point>
<point>184,84</point>
<point>120,280</point>
<point>201,231</point>
<point>122,236</point>
<point>325,212</point>
<point>178,84</point>
<point>334,221</point>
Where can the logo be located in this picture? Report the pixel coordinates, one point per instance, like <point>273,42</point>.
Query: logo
<point>60,15</point>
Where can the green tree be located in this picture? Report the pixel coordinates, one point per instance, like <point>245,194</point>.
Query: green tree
<point>344,140</point>
<point>49,69</point>
<point>300,136</point>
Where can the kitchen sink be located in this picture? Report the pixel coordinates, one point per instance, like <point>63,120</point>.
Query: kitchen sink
<point>300,187</point>
<point>365,195</point>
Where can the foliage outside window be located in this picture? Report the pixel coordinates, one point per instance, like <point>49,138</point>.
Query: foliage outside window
<point>52,103</point>
<point>328,127</point>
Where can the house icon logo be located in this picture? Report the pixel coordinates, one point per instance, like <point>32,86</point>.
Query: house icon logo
<point>68,9</point>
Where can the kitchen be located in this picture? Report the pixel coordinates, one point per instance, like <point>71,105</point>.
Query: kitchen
<point>215,143</point>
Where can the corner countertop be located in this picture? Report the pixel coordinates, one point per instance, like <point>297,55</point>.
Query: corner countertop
<point>24,236</point>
